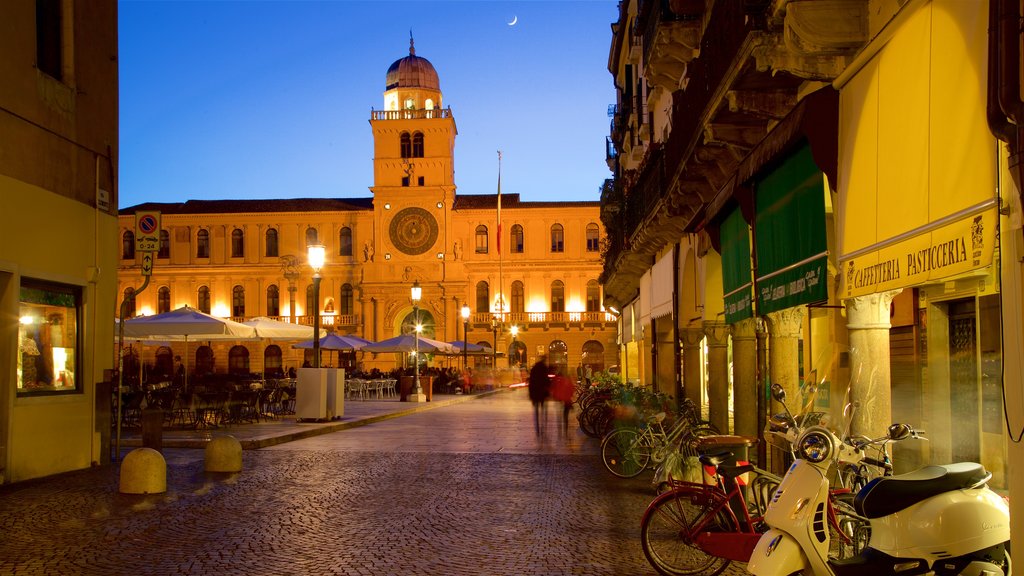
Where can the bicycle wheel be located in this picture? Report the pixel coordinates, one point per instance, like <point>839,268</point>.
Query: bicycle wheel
<point>591,419</point>
<point>850,533</point>
<point>665,527</point>
<point>624,452</point>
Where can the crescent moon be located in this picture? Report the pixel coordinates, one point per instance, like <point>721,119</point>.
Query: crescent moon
<point>514,20</point>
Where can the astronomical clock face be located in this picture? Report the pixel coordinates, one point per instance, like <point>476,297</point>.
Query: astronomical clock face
<point>413,231</point>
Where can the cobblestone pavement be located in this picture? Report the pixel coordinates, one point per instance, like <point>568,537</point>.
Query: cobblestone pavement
<point>463,489</point>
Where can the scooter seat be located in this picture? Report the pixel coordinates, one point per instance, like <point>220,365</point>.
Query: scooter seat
<point>888,495</point>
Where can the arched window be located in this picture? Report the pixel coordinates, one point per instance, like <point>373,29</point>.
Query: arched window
<point>203,299</point>
<point>273,301</point>
<point>312,237</point>
<point>429,104</point>
<point>517,353</point>
<point>203,244</point>
<point>417,145</point>
<point>129,302</point>
<point>238,301</point>
<point>483,297</point>
<point>345,241</point>
<point>484,360</point>
<point>518,298</point>
<point>481,239</point>
<point>593,238</point>
<point>593,355</point>
<point>345,304</point>
<point>204,361</point>
<point>557,296</point>
<point>271,242</point>
<point>163,300</point>
<point>128,245</point>
<point>516,237</point>
<point>237,243</point>
<point>593,296</point>
<point>311,307</point>
<point>557,238</point>
<point>272,365</point>
<point>238,360</point>
<point>165,245</point>
<point>406,145</point>
<point>558,355</point>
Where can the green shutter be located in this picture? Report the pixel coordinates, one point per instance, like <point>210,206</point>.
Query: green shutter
<point>736,279</point>
<point>792,250</point>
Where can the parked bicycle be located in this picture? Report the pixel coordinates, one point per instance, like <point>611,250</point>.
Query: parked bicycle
<point>628,451</point>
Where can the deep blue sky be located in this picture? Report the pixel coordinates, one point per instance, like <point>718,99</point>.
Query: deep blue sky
<point>271,99</point>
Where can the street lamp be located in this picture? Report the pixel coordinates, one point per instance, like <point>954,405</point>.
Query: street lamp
<point>513,351</point>
<point>417,293</point>
<point>465,337</point>
<point>494,348</point>
<point>315,254</point>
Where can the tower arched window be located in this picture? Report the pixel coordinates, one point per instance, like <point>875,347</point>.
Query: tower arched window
<point>273,300</point>
<point>557,296</point>
<point>481,239</point>
<point>165,245</point>
<point>203,244</point>
<point>128,245</point>
<point>203,299</point>
<point>271,241</point>
<point>238,301</point>
<point>312,236</point>
<point>163,300</point>
<point>593,296</point>
<point>406,145</point>
<point>417,145</point>
<point>237,243</point>
<point>518,298</point>
<point>593,238</point>
<point>483,296</point>
<point>557,238</point>
<point>345,301</point>
<point>345,241</point>
<point>517,239</point>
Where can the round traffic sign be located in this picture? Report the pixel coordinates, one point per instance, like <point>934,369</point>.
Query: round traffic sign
<point>147,224</point>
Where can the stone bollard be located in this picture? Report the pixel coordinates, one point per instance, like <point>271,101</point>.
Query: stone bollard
<point>143,471</point>
<point>224,454</point>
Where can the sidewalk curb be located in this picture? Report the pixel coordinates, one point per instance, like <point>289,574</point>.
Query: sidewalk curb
<point>315,428</point>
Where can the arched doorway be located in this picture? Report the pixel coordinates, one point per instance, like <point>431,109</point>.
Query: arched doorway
<point>517,354</point>
<point>238,360</point>
<point>593,356</point>
<point>408,326</point>
<point>558,355</point>
<point>272,364</point>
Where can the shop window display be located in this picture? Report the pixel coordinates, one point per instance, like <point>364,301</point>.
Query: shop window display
<point>48,338</point>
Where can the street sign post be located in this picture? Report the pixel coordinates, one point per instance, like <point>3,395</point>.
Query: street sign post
<point>147,231</point>
<point>147,263</point>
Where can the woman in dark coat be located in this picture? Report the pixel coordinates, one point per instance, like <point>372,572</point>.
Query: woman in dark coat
<point>540,389</point>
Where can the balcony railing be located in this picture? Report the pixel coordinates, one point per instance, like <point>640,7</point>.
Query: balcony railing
<point>526,320</point>
<point>336,320</point>
<point>410,114</point>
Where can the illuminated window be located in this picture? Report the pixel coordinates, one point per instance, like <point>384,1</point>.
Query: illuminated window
<point>518,297</point>
<point>483,297</point>
<point>481,239</point>
<point>273,301</point>
<point>311,307</point>
<point>312,236</point>
<point>346,299</point>
<point>165,245</point>
<point>593,238</point>
<point>203,244</point>
<point>128,245</point>
<point>516,244</point>
<point>203,299</point>
<point>48,338</point>
<point>593,296</point>
<point>557,238</point>
<point>557,296</point>
<point>237,243</point>
<point>271,241</point>
<point>345,241</point>
<point>163,300</point>
<point>238,301</point>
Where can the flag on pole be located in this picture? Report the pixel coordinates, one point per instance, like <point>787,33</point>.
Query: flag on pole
<point>499,202</point>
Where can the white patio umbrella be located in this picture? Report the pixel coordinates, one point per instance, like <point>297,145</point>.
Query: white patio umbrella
<point>407,343</point>
<point>270,329</point>
<point>183,323</point>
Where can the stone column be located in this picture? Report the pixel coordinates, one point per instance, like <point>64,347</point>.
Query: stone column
<point>784,330</point>
<point>867,320</point>
<point>691,337</point>
<point>717,334</point>
<point>744,377</point>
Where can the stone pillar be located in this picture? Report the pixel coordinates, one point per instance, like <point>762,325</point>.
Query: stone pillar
<point>867,320</point>
<point>691,337</point>
<point>744,377</point>
<point>784,330</point>
<point>717,334</point>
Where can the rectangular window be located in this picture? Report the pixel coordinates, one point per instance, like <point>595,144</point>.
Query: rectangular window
<point>49,43</point>
<point>48,342</point>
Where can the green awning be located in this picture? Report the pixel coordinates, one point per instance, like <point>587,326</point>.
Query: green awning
<point>737,282</point>
<point>791,245</point>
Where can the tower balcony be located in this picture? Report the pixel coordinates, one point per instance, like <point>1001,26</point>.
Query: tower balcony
<point>411,114</point>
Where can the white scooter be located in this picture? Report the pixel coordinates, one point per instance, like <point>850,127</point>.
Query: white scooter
<point>941,520</point>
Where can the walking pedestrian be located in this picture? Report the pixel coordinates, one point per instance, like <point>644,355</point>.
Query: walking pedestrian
<point>539,388</point>
<point>562,390</point>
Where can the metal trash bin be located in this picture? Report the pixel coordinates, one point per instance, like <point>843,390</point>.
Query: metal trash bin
<point>740,447</point>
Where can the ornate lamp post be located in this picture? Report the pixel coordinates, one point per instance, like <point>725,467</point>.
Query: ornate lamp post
<point>315,254</point>
<point>417,293</point>
<point>513,351</point>
<point>465,337</point>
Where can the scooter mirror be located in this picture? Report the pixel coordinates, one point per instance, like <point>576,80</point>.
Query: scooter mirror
<point>778,392</point>
<point>899,431</point>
